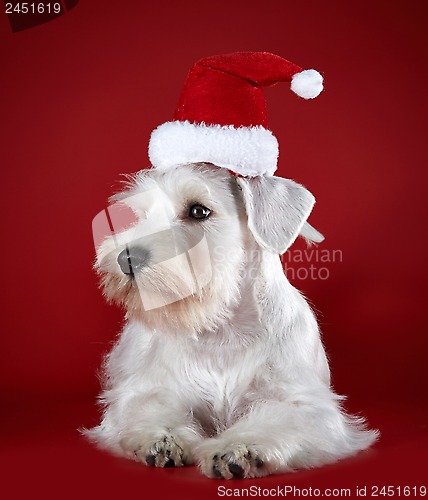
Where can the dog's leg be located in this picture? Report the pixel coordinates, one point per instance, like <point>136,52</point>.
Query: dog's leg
<point>150,428</point>
<point>166,447</point>
<point>277,437</point>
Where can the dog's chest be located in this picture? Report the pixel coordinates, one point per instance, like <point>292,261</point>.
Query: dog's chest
<point>218,385</point>
<point>214,379</point>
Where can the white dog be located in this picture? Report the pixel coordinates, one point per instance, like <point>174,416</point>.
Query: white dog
<point>220,362</point>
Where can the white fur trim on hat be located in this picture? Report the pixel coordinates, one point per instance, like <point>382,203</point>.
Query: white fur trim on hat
<point>247,151</point>
<point>307,84</point>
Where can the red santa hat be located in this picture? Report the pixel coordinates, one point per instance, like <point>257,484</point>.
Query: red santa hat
<point>221,114</point>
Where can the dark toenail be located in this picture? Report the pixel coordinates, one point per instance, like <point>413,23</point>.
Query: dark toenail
<point>236,470</point>
<point>216,472</point>
<point>151,460</point>
<point>169,463</point>
<point>259,462</point>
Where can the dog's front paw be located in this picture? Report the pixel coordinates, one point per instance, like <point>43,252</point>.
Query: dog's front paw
<point>163,453</point>
<point>166,451</point>
<point>237,462</point>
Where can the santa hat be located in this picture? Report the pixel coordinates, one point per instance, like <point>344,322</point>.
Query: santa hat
<point>221,114</point>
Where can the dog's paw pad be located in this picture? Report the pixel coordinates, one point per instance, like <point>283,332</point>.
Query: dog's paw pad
<point>236,470</point>
<point>169,463</point>
<point>238,463</point>
<point>150,459</point>
<point>163,453</point>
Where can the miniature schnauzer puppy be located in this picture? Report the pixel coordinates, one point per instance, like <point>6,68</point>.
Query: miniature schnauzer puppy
<point>220,361</point>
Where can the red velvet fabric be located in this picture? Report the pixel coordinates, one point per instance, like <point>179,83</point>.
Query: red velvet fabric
<point>226,89</point>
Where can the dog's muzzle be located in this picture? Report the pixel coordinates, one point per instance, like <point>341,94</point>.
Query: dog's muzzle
<point>132,259</point>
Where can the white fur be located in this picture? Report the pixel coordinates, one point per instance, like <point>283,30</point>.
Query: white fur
<point>248,151</point>
<point>233,377</point>
<point>307,84</point>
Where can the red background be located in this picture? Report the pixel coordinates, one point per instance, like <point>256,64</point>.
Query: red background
<point>80,96</point>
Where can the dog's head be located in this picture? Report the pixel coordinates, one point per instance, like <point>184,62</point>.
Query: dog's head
<point>180,260</point>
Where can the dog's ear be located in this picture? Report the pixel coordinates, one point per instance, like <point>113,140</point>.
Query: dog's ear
<point>277,209</point>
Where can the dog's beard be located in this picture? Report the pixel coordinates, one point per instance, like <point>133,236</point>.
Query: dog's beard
<point>168,301</point>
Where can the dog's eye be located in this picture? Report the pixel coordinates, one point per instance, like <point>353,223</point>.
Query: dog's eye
<point>199,212</point>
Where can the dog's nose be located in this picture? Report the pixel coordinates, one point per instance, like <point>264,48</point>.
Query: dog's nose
<point>132,259</point>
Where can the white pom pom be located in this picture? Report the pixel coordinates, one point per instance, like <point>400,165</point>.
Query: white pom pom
<point>307,84</point>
